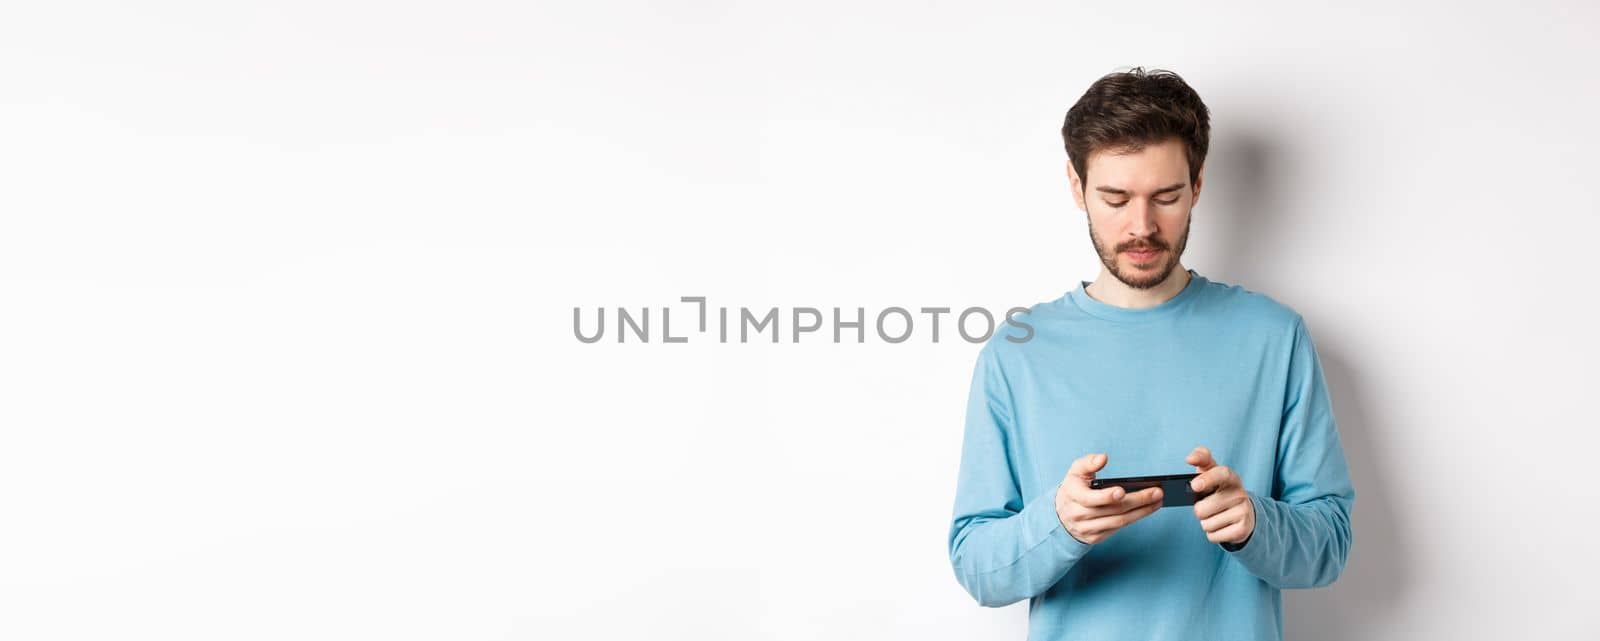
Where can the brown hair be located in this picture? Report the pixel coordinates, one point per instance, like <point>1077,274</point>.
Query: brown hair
<point>1125,111</point>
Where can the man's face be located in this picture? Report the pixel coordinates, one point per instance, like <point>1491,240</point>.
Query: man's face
<point>1138,205</point>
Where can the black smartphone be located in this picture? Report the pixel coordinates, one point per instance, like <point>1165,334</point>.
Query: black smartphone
<point>1174,487</point>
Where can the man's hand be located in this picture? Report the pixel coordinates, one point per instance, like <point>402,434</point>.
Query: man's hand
<point>1227,516</point>
<point>1092,515</point>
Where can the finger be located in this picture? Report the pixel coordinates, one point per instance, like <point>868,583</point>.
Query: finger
<point>1231,533</point>
<point>1097,498</point>
<point>1212,505</point>
<point>1216,478</point>
<point>1233,514</point>
<point>1117,521</point>
<point>1135,501</point>
<point>1078,477</point>
<point>1200,458</point>
<point>1087,465</point>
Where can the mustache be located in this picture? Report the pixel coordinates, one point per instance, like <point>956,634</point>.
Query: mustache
<point>1141,246</point>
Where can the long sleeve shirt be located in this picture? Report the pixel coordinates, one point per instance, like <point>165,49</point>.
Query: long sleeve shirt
<point>1216,365</point>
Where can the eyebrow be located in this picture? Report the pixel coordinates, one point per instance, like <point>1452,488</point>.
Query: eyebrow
<point>1124,192</point>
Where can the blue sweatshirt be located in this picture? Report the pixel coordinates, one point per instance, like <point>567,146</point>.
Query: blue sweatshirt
<point>1216,365</point>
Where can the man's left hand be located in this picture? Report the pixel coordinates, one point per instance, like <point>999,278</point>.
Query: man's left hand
<point>1227,515</point>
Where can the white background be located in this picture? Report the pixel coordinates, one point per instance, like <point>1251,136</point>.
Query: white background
<point>286,297</point>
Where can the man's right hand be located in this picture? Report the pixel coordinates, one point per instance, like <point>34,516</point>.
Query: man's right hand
<point>1092,515</point>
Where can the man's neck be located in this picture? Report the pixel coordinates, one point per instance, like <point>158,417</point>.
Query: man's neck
<point>1107,289</point>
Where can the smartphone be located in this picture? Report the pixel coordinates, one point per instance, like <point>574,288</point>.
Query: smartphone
<point>1174,487</point>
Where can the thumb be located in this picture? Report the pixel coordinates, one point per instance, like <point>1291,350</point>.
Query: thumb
<point>1087,465</point>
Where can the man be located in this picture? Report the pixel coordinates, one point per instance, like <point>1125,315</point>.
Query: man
<point>1148,370</point>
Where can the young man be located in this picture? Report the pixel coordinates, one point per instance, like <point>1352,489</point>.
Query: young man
<point>1150,369</point>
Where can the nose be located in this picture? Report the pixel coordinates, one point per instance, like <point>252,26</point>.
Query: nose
<point>1141,219</point>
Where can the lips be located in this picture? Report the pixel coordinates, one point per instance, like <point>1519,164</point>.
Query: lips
<point>1143,255</point>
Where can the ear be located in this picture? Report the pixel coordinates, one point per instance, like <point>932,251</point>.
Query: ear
<point>1198,176</point>
<point>1077,187</point>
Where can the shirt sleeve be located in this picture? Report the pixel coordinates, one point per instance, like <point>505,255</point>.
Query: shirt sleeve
<point>1004,547</point>
<point>1302,534</point>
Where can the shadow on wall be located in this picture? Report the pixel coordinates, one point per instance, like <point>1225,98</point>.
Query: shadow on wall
<point>1241,177</point>
<point>1363,600</point>
<point>1252,174</point>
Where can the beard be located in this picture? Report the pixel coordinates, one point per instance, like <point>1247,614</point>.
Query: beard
<point>1135,277</point>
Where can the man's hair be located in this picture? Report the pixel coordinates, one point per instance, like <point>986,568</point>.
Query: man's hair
<point>1124,111</point>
